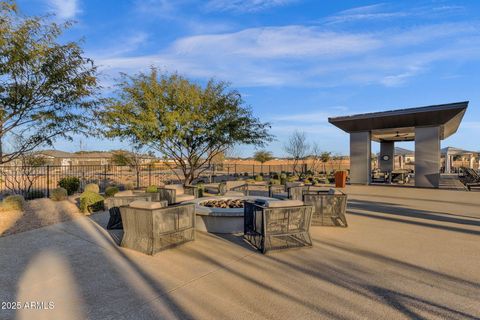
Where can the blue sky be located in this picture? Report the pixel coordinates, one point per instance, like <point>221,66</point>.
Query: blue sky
<point>296,62</point>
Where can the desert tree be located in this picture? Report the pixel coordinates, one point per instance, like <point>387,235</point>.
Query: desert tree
<point>21,178</point>
<point>184,121</point>
<point>325,157</point>
<point>315,159</point>
<point>297,148</point>
<point>262,156</point>
<point>47,87</point>
<point>133,159</point>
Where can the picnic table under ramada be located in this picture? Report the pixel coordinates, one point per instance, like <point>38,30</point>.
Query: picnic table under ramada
<point>407,253</point>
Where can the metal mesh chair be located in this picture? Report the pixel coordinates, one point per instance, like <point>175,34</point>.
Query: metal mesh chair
<point>175,194</point>
<point>114,203</point>
<point>329,208</point>
<point>275,228</point>
<point>152,230</point>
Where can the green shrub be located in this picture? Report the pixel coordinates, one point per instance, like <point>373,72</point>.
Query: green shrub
<point>250,180</point>
<point>91,202</point>
<point>307,181</point>
<point>59,194</point>
<point>283,181</point>
<point>129,186</point>
<point>15,202</point>
<point>71,184</point>
<point>275,176</point>
<point>201,189</point>
<point>110,191</point>
<point>151,189</point>
<point>245,174</point>
<point>34,194</point>
<point>92,187</point>
<point>258,178</point>
<point>274,181</point>
<point>292,179</point>
<point>283,176</point>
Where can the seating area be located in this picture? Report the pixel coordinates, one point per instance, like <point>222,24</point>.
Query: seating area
<point>154,221</point>
<point>408,253</point>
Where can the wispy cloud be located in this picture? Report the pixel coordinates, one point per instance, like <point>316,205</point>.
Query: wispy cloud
<point>278,42</point>
<point>389,11</point>
<point>245,5</point>
<point>303,55</point>
<point>162,8</point>
<point>64,9</point>
<point>371,12</point>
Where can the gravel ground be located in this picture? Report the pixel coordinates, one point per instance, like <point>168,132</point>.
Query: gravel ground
<point>37,213</point>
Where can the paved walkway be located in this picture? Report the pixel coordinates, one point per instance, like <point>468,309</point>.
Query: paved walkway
<point>407,253</point>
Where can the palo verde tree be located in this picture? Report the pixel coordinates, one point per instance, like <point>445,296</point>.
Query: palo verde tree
<point>46,87</point>
<point>325,157</point>
<point>262,156</point>
<point>182,120</point>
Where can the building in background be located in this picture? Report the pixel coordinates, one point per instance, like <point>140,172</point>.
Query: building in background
<point>62,158</point>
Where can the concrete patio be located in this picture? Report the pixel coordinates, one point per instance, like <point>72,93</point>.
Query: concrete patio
<point>407,253</point>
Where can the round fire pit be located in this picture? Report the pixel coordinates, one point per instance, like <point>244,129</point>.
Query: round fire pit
<point>222,214</point>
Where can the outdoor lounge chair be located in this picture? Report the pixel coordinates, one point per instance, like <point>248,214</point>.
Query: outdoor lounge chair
<point>329,207</point>
<point>150,228</point>
<point>175,193</point>
<point>277,224</point>
<point>285,191</point>
<point>121,198</point>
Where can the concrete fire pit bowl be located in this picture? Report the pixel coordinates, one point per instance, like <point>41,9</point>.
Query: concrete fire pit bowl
<point>220,220</point>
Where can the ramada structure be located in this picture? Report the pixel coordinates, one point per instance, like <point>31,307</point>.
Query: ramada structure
<point>427,126</point>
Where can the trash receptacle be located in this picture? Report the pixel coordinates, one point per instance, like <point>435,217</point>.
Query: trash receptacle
<point>340,179</point>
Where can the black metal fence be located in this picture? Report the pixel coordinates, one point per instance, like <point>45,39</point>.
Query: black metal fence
<point>38,181</point>
<point>33,181</point>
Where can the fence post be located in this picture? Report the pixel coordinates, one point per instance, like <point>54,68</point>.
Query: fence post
<point>149,174</point>
<point>235,168</point>
<point>104,177</point>
<point>253,171</point>
<point>48,181</point>
<point>138,177</point>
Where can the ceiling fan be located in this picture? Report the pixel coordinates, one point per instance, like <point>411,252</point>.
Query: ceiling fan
<point>398,135</point>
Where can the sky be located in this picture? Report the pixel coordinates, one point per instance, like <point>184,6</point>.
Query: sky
<point>295,62</point>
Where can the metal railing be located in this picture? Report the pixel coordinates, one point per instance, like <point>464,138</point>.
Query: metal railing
<point>38,181</point>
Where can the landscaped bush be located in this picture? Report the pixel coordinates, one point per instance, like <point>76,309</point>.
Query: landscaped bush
<point>274,181</point>
<point>152,189</point>
<point>258,178</point>
<point>245,174</point>
<point>59,194</point>
<point>275,175</point>
<point>201,189</point>
<point>292,178</point>
<point>250,180</point>
<point>92,187</point>
<point>71,184</point>
<point>91,202</point>
<point>14,202</point>
<point>128,186</point>
<point>110,191</point>
<point>307,181</point>
<point>283,176</point>
<point>34,194</point>
<point>283,181</point>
